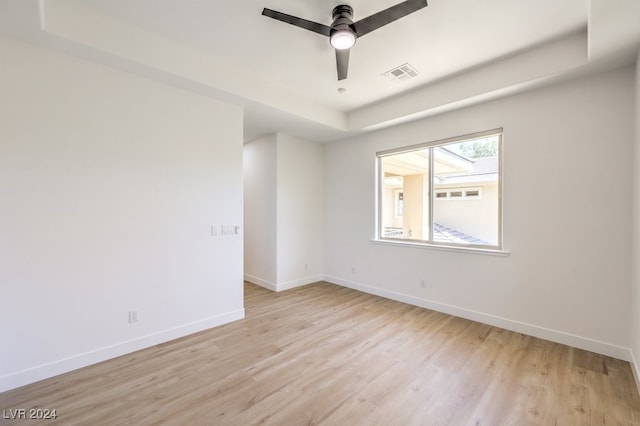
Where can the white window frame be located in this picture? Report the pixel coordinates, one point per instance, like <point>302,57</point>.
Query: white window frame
<point>379,234</point>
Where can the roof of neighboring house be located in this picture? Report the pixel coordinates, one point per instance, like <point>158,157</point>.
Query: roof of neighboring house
<point>444,234</point>
<point>480,166</point>
<point>441,234</point>
<point>487,167</point>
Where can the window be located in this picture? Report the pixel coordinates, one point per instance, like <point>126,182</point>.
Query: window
<point>465,193</point>
<point>445,193</point>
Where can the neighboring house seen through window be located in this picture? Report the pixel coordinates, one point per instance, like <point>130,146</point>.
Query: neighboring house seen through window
<point>443,193</point>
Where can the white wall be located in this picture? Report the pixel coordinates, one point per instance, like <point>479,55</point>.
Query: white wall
<point>567,214</point>
<point>300,210</point>
<point>260,214</point>
<point>283,212</point>
<point>635,293</point>
<point>109,184</point>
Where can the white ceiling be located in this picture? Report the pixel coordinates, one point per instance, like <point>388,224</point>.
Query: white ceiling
<point>285,77</point>
<point>446,37</point>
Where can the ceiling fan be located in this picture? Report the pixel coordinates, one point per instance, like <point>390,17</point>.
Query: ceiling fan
<point>343,32</point>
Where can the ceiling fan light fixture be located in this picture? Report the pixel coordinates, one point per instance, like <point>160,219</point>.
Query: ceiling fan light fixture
<point>343,39</point>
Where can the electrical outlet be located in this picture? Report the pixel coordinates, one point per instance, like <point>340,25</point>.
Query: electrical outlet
<point>353,269</point>
<point>228,230</point>
<point>133,316</point>
<point>423,284</point>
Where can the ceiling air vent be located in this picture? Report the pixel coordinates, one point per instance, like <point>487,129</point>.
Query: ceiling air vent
<point>401,73</point>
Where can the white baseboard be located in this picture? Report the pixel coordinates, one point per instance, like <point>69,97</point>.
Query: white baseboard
<point>569,339</point>
<point>635,369</point>
<point>283,286</point>
<point>299,283</point>
<point>262,283</point>
<point>45,371</point>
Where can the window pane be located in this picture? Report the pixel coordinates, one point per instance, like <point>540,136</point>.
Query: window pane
<point>469,172</point>
<point>404,209</point>
<point>457,202</point>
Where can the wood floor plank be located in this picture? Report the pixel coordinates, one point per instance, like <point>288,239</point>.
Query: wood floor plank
<point>323,354</point>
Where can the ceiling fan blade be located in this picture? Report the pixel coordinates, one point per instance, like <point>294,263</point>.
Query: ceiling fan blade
<point>298,22</point>
<point>342,62</point>
<point>384,17</point>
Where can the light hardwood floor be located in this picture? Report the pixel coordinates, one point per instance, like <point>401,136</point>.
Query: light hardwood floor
<point>322,354</point>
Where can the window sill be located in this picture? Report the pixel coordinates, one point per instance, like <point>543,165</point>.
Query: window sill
<point>422,245</point>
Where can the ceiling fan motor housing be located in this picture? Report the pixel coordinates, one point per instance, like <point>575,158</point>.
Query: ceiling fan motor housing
<point>342,19</point>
